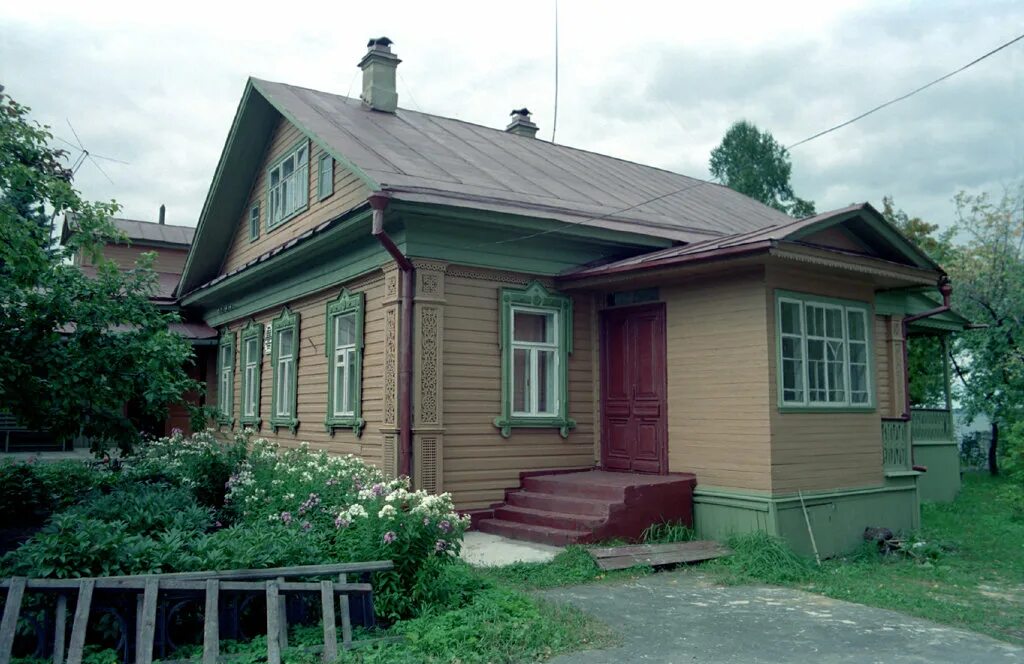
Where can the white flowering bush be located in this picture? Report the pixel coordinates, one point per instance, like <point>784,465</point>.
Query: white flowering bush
<point>351,510</point>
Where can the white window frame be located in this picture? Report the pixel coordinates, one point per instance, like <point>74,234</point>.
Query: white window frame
<point>288,195</point>
<point>533,349</point>
<point>283,376</point>
<point>251,398</point>
<point>227,380</point>
<point>845,308</point>
<point>344,357</point>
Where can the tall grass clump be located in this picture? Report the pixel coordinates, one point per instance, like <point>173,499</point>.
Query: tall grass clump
<point>764,558</point>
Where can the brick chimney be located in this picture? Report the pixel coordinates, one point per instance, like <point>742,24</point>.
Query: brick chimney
<point>379,65</point>
<point>521,124</point>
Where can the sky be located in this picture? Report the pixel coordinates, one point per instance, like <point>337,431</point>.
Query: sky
<point>653,82</point>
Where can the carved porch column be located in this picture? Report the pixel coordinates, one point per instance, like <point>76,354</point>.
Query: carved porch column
<point>428,378</point>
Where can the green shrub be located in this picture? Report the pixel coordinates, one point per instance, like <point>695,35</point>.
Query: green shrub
<point>148,509</point>
<point>761,557</point>
<point>24,500</point>
<point>71,482</point>
<point>444,585</point>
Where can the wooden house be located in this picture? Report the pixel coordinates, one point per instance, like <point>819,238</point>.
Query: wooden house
<point>573,345</point>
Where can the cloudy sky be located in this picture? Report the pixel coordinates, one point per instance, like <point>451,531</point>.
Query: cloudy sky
<point>653,82</point>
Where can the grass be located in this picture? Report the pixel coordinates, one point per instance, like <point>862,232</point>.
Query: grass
<point>972,576</point>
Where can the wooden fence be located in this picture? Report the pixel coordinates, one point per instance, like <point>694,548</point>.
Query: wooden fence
<point>274,583</point>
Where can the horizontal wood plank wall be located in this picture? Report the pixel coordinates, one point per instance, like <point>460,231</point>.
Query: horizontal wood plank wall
<point>812,451</point>
<point>167,259</point>
<point>717,381</point>
<point>312,374</point>
<point>478,463</point>
<point>349,191</point>
<point>836,238</point>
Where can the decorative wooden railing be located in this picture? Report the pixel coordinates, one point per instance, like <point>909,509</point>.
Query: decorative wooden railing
<point>895,444</point>
<point>216,593</point>
<point>931,424</point>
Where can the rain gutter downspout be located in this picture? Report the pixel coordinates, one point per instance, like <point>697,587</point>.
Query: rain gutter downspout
<point>379,203</point>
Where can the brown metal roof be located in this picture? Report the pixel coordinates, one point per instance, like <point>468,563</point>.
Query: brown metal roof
<point>431,159</point>
<point>142,232</point>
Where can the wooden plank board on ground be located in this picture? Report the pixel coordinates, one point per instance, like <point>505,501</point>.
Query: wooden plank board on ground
<point>622,557</point>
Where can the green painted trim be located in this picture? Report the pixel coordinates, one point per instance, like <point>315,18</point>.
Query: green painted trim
<point>342,159</point>
<point>322,191</point>
<point>537,297</point>
<point>782,498</point>
<point>254,222</point>
<point>286,321</point>
<point>346,303</point>
<point>225,415</point>
<point>869,330</point>
<point>253,330</point>
<point>271,224</point>
<point>292,274</point>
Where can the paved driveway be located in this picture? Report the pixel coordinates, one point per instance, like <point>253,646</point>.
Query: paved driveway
<point>682,617</point>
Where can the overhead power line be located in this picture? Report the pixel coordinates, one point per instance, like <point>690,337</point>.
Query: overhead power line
<point>908,95</point>
<point>700,182</point>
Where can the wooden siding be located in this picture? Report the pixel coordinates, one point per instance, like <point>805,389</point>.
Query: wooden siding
<point>827,450</point>
<point>167,259</point>
<point>718,397</point>
<point>836,238</point>
<point>349,191</point>
<point>312,374</point>
<point>478,463</point>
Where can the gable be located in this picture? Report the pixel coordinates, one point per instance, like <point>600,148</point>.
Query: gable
<point>347,192</point>
<point>838,237</point>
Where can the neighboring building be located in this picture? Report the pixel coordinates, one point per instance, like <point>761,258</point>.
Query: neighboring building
<point>170,244</point>
<point>485,310</point>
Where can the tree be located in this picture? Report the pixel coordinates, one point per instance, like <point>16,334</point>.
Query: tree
<point>74,349</point>
<point>927,377</point>
<point>752,162</point>
<point>988,288</point>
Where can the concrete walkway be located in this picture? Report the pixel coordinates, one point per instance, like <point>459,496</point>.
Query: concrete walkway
<point>682,617</point>
<point>486,550</point>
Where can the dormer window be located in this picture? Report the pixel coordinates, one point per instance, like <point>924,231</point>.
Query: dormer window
<point>288,185</point>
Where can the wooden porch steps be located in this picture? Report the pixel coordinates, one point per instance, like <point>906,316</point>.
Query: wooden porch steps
<point>590,506</point>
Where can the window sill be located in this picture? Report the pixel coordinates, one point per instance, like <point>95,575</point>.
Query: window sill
<point>290,423</point>
<point>827,409</point>
<point>288,218</point>
<point>324,197</point>
<point>352,422</point>
<point>563,424</point>
<point>225,421</point>
<point>254,422</point>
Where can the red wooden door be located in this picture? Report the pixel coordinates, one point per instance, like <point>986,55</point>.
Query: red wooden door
<point>634,418</point>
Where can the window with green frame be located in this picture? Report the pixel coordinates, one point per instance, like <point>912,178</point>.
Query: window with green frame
<point>344,348</point>
<point>254,222</point>
<point>251,359</point>
<point>288,185</point>
<point>536,341</point>
<point>325,176</point>
<point>824,353</point>
<point>284,357</point>
<point>226,378</point>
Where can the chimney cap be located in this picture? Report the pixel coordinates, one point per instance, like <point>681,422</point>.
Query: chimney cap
<point>521,112</point>
<point>383,42</point>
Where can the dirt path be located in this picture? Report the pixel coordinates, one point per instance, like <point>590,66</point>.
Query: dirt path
<point>682,617</point>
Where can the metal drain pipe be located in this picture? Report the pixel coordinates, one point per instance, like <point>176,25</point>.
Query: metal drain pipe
<point>379,203</point>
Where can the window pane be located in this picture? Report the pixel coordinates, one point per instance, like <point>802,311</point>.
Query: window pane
<point>344,330</point>
<point>545,381</point>
<point>533,327</point>
<point>284,343</point>
<point>859,383</point>
<point>287,166</point>
<point>520,380</point>
<point>816,370</point>
<point>302,155</point>
<point>339,384</point>
<point>350,385</point>
<point>790,317</point>
<point>284,387</point>
<point>792,369</point>
<point>857,326</point>
<point>275,176</point>
<point>834,323</point>
<point>815,321</point>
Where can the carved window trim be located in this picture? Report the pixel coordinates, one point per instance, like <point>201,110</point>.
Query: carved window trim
<point>347,303</point>
<point>535,296</point>
<point>287,321</point>
<point>226,388</point>
<point>251,332</point>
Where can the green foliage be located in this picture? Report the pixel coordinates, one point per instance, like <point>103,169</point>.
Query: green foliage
<point>667,532</point>
<point>74,349</point>
<point>445,585</point>
<point>24,500</point>
<point>760,557</point>
<point>70,482</point>
<point>752,162</point>
<point>147,510</point>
